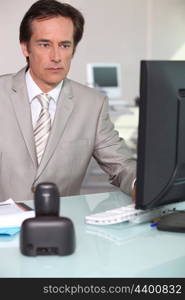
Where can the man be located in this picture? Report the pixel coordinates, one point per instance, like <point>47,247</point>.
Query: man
<point>50,126</point>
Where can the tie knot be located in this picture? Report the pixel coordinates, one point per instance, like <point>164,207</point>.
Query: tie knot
<point>44,100</point>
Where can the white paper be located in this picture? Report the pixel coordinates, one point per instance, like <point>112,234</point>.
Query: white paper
<point>12,215</point>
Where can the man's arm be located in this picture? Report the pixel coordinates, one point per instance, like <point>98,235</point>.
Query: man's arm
<point>112,153</point>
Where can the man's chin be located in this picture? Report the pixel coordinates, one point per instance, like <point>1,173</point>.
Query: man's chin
<point>54,79</point>
<point>52,83</point>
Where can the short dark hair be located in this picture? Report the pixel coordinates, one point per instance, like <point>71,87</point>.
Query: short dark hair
<point>51,8</point>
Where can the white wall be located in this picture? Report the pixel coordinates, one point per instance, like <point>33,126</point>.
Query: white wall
<point>115,32</point>
<point>167,29</point>
<point>11,14</point>
<point>123,31</point>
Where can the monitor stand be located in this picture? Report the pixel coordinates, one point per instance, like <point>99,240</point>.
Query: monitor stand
<point>120,107</point>
<point>174,222</point>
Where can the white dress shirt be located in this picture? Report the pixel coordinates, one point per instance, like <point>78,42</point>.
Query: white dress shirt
<point>34,91</point>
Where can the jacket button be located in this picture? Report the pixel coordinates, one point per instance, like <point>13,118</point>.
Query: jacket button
<point>33,189</point>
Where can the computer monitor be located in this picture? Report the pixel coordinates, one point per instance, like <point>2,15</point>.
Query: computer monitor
<point>161,139</point>
<point>106,78</point>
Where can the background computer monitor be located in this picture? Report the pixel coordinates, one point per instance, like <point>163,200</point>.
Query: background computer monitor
<point>161,134</point>
<point>106,78</point>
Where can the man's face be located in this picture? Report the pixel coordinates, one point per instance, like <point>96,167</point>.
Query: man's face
<point>50,51</point>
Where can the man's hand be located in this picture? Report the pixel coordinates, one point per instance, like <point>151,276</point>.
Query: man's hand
<point>133,193</point>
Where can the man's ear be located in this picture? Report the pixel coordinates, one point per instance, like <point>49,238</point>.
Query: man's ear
<point>24,47</point>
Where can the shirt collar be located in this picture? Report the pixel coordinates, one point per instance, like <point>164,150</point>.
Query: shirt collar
<point>34,90</point>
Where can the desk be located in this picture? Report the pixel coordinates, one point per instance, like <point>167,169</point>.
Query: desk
<point>120,250</point>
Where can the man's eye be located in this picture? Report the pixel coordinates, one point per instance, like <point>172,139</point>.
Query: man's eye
<point>44,45</point>
<point>65,45</point>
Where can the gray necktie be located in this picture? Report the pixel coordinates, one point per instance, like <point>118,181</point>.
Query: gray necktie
<point>43,126</point>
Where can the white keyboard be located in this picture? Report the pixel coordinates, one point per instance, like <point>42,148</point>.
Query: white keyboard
<point>128,213</point>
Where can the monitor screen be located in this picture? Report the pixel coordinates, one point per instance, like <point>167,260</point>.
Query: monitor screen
<point>161,134</point>
<point>106,78</point>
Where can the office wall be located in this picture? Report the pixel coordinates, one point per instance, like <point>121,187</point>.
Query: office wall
<point>115,32</point>
<point>167,29</point>
<point>123,31</point>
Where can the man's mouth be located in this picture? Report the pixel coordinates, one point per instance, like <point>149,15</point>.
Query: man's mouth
<point>55,68</point>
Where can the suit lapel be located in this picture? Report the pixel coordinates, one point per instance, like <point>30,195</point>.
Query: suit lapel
<point>63,111</point>
<point>23,112</point>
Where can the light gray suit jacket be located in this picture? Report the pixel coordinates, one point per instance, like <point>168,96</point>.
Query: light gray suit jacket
<point>81,129</point>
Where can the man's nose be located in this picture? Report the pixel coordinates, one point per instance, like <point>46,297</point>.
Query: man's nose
<point>55,54</point>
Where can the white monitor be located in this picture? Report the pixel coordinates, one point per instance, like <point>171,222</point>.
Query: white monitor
<point>105,77</point>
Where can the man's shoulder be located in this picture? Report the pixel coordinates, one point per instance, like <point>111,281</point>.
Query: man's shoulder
<point>10,76</point>
<point>82,88</point>
<point>6,82</point>
<point>12,80</point>
<point>6,76</point>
